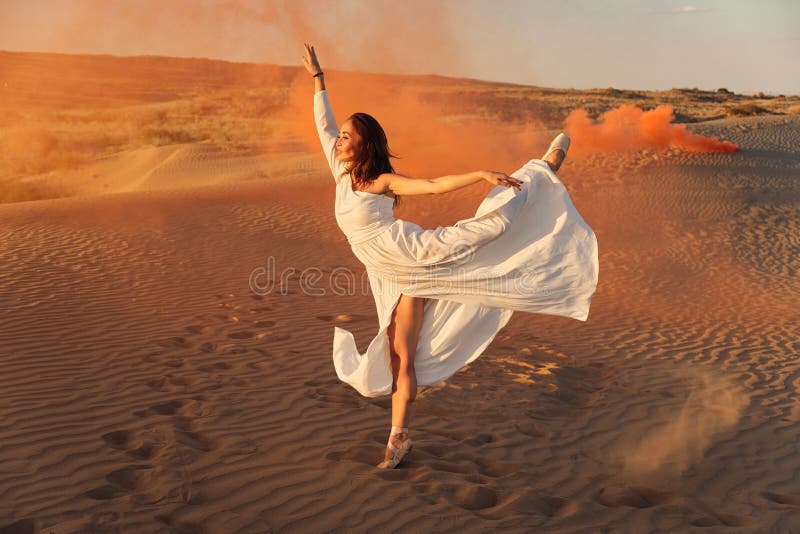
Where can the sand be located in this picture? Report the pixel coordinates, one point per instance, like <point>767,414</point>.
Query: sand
<point>147,388</point>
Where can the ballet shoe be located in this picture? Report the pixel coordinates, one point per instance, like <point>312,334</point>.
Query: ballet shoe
<point>561,142</point>
<point>398,453</point>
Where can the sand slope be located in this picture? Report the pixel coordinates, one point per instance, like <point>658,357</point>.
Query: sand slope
<point>147,388</point>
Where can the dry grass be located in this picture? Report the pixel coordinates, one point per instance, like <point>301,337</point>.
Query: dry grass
<point>18,191</point>
<point>746,109</point>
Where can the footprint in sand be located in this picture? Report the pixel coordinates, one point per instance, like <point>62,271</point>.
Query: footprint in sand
<point>275,338</point>
<point>219,366</point>
<point>133,445</point>
<point>321,382</point>
<point>149,450</point>
<point>198,329</point>
<point>171,383</point>
<point>495,468</point>
<point>781,498</point>
<point>329,390</point>
<point>22,526</point>
<point>455,460</point>
<point>175,363</point>
<point>176,525</point>
<point>259,366</point>
<point>124,440</point>
<point>165,408</point>
<point>546,505</point>
<point>188,435</point>
<point>176,342</point>
<point>105,493</point>
<point>633,496</point>
<point>727,520</point>
<point>246,334</point>
<point>146,483</point>
<point>469,496</point>
<point>529,428</point>
<point>466,438</point>
<point>209,347</point>
<point>335,397</point>
<point>96,522</point>
<point>169,361</point>
<point>132,478</point>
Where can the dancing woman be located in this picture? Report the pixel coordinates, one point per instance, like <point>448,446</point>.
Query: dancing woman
<point>526,249</point>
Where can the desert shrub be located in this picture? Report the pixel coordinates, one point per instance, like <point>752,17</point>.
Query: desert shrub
<point>166,136</point>
<point>32,150</point>
<point>16,191</point>
<point>746,109</point>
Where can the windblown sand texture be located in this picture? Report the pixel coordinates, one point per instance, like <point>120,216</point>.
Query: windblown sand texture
<point>147,388</point>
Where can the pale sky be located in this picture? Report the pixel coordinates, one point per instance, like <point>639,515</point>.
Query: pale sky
<point>745,46</point>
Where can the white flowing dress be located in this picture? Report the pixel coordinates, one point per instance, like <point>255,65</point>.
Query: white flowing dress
<point>527,250</point>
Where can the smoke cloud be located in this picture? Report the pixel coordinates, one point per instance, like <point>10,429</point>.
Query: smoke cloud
<point>714,405</point>
<point>630,128</point>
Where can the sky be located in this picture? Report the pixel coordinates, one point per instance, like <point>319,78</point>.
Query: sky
<point>744,46</point>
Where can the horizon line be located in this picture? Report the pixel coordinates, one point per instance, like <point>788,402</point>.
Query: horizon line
<point>381,73</point>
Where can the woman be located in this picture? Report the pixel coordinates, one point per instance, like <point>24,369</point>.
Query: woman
<point>433,321</point>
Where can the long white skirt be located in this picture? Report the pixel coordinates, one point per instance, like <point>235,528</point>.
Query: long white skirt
<point>527,250</point>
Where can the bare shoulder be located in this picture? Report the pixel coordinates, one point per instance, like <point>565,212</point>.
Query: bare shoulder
<point>384,183</point>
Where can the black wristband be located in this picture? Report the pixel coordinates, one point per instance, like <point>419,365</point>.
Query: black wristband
<point>320,73</point>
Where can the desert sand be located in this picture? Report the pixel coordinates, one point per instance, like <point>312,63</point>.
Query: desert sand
<point>147,387</point>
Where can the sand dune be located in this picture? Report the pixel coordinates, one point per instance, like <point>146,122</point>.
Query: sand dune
<point>146,387</point>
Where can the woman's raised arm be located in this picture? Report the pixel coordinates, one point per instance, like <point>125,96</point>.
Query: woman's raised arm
<point>313,68</point>
<point>323,115</point>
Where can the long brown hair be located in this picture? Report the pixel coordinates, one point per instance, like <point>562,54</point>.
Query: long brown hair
<point>374,154</point>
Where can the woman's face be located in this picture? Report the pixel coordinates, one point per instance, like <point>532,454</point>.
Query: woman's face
<point>348,142</point>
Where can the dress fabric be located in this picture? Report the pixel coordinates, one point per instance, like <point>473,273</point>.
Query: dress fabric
<point>527,250</point>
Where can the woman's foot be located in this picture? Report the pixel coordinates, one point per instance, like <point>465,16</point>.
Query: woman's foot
<point>398,447</point>
<point>557,152</point>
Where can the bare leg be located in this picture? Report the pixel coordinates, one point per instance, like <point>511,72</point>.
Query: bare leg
<point>557,151</point>
<point>403,334</point>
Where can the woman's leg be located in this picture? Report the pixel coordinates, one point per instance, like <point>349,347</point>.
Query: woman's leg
<point>403,333</point>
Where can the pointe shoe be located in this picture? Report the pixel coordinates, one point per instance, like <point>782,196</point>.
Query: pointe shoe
<point>398,453</point>
<point>561,142</point>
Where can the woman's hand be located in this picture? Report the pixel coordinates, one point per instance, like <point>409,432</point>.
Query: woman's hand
<point>499,178</point>
<point>310,60</point>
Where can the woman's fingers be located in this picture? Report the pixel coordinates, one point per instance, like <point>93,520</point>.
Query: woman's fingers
<point>512,182</point>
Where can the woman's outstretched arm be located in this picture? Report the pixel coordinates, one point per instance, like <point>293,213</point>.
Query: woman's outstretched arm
<point>323,114</point>
<point>403,185</point>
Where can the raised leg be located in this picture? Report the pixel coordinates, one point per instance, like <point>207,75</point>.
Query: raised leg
<point>555,159</point>
<point>557,151</point>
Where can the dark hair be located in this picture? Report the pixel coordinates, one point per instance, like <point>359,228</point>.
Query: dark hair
<point>373,157</point>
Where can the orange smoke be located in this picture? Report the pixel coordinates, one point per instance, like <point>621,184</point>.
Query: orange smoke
<point>630,128</point>
<point>430,139</point>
